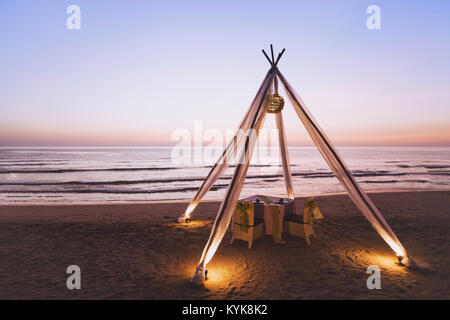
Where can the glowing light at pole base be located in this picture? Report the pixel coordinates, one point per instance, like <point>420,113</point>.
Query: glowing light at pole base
<point>395,245</point>
<point>398,250</point>
<point>188,212</point>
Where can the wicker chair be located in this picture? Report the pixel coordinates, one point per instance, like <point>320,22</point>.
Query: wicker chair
<point>294,223</point>
<point>246,230</point>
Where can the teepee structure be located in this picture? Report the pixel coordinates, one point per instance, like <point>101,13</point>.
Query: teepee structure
<point>268,101</point>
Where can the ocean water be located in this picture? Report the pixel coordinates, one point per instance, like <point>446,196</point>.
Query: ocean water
<point>68,175</point>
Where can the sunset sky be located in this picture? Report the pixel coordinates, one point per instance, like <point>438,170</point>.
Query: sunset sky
<point>138,70</point>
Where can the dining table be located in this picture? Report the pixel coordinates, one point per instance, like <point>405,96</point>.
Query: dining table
<point>272,210</point>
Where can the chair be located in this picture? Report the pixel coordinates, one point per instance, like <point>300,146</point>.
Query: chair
<point>244,224</point>
<point>300,225</point>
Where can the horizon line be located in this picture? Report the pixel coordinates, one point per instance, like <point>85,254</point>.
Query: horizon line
<point>218,146</point>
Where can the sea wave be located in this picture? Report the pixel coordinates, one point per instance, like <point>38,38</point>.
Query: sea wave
<point>110,191</point>
<point>44,171</point>
<point>88,170</point>
<point>395,181</point>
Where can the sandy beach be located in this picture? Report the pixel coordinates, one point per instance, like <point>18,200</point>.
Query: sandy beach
<point>138,251</point>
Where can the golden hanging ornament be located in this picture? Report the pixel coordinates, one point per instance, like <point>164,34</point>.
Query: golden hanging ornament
<point>276,103</point>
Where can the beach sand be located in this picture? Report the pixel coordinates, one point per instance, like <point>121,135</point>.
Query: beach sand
<point>138,251</point>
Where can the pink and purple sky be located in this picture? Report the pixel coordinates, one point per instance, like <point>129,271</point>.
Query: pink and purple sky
<point>136,71</point>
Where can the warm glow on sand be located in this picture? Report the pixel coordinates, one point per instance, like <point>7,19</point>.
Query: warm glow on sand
<point>387,262</point>
<point>396,247</point>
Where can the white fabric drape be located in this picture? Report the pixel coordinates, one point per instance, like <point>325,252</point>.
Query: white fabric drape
<point>228,204</point>
<point>284,156</point>
<point>340,170</point>
<point>253,121</point>
<point>230,151</point>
